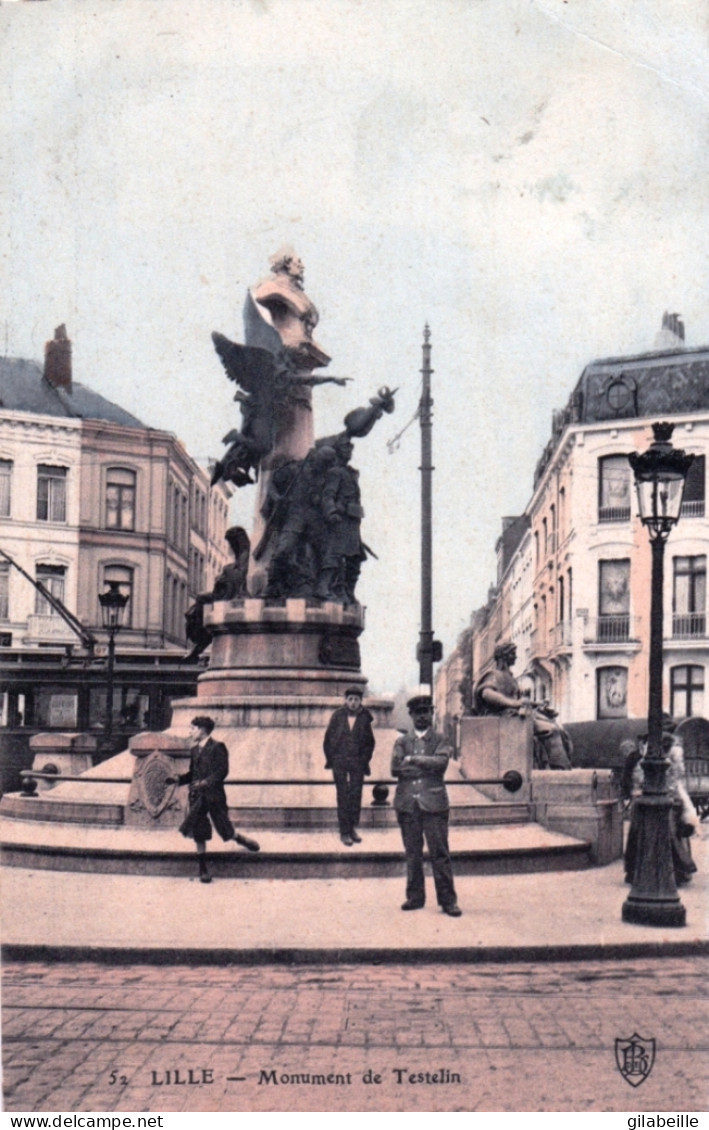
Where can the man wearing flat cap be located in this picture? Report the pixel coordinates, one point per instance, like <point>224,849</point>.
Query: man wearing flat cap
<point>421,802</point>
<point>348,745</point>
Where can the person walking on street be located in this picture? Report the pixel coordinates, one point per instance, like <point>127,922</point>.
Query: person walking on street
<point>348,745</point>
<point>207,805</point>
<point>419,763</point>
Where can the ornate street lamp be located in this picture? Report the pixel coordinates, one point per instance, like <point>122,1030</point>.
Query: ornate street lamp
<point>113,605</point>
<point>660,476</point>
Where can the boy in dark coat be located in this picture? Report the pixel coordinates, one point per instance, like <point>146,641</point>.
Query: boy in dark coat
<point>209,765</point>
<point>348,745</point>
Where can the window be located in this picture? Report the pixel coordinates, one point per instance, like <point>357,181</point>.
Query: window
<point>689,596</point>
<point>612,692</point>
<point>686,691</point>
<point>613,600</point>
<point>51,493</point>
<point>124,577</point>
<point>693,500</point>
<point>56,707</point>
<point>613,489</point>
<point>120,499</point>
<point>4,592</point>
<point>5,485</point>
<point>52,579</point>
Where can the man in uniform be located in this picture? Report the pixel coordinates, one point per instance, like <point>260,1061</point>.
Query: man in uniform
<point>348,745</point>
<point>421,802</point>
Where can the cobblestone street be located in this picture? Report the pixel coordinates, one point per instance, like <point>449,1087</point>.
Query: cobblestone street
<point>491,1037</point>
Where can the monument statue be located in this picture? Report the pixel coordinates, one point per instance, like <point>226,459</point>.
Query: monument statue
<point>230,583</point>
<point>308,514</point>
<point>295,524</point>
<point>498,692</point>
<point>274,372</point>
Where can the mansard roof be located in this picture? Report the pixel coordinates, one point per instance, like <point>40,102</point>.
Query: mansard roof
<point>647,384</point>
<point>24,389</point>
<point>662,383</point>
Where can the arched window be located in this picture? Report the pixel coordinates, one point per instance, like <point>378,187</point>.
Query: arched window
<point>5,487</point>
<point>52,578</point>
<point>120,499</point>
<point>51,493</point>
<point>613,488</point>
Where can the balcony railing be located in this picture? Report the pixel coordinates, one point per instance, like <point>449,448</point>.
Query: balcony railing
<point>694,509</point>
<point>43,628</point>
<point>689,625</point>
<point>613,513</point>
<point>611,629</point>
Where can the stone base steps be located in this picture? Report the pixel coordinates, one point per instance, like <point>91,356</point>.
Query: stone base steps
<point>49,806</point>
<point>285,854</point>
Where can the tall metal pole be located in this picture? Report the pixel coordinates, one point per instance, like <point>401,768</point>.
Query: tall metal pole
<point>653,899</point>
<point>110,668</point>
<point>426,648</point>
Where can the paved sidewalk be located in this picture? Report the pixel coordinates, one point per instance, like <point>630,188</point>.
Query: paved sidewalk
<point>487,1037</point>
<point>547,915</point>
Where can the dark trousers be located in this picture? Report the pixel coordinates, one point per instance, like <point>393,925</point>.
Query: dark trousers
<point>197,822</point>
<point>349,778</point>
<point>433,826</point>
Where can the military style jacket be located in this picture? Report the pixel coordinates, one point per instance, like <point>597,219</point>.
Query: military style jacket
<point>420,781</point>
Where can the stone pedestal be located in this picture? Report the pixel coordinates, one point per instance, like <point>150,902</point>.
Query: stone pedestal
<point>583,803</point>
<point>490,746</point>
<point>277,672</point>
<point>66,754</point>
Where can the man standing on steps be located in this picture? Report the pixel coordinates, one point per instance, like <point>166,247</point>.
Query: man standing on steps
<point>348,745</point>
<point>209,765</point>
<point>421,802</point>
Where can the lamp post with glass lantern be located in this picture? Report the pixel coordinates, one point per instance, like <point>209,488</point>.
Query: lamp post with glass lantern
<point>660,476</point>
<point>113,605</point>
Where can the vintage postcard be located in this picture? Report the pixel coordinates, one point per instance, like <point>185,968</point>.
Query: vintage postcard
<point>325,588</point>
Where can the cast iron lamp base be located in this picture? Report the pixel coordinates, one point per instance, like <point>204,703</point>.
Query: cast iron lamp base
<point>653,900</point>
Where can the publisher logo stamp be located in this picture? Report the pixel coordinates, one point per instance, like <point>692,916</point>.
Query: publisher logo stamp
<point>634,1056</point>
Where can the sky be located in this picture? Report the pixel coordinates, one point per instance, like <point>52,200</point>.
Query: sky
<point>528,178</point>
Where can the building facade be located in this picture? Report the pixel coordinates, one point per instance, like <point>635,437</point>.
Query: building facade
<point>89,495</point>
<point>574,591</point>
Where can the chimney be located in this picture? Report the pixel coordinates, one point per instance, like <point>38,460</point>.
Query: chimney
<point>671,336</point>
<point>57,360</point>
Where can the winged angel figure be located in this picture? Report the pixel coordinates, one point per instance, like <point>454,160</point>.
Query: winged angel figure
<point>266,380</point>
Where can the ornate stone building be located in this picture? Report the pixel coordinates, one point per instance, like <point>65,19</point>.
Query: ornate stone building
<point>573,585</point>
<point>90,495</point>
